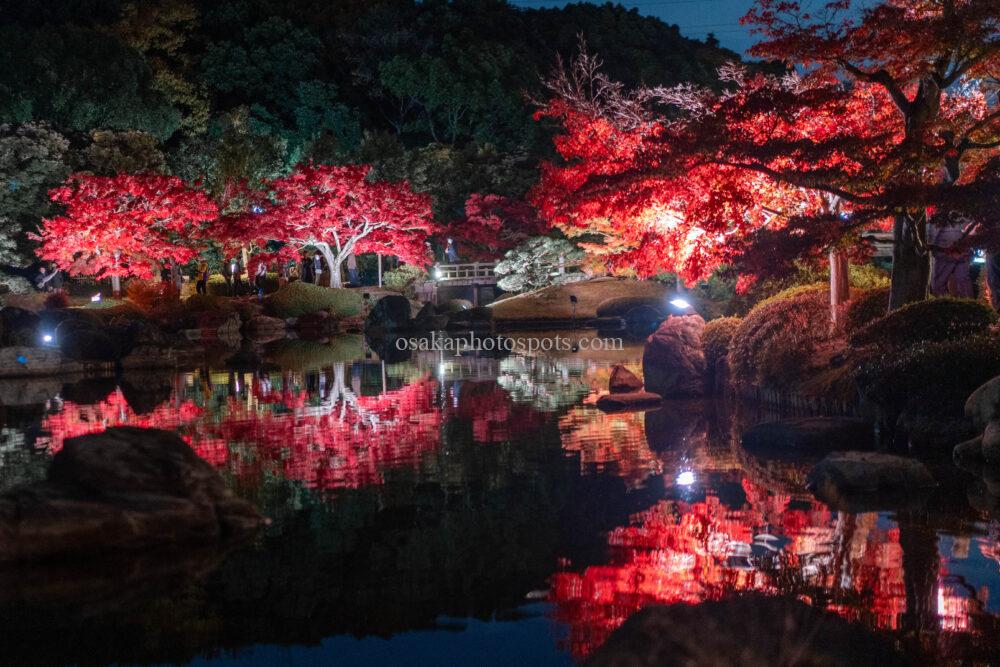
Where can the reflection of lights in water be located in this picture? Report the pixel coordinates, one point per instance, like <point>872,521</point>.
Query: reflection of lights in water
<point>685,478</point>
<point>680,303</point>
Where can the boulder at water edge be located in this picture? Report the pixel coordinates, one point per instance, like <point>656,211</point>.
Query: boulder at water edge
<point>870,481</point>
<point>983,406</point>
<point>390,313</point>
<point>673,360</point>
<point>631,401</point>
<point>623,381</point>
<point>750,629</point>
<point>123,489</point>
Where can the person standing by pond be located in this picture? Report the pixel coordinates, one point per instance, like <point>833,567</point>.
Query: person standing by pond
<point>260,279</point>
<point>317,268</point>
<point>952,260</point>
<point>451,252</point>
<point>201,278</point>
<point>352,269</point>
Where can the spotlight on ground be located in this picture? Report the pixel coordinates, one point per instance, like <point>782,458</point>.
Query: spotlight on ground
<point>685,478</point>
<point>680,303</point>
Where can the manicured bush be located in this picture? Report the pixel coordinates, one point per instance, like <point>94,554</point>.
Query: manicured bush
<point>217,285</point>
<point>936,377</point>
<point>148,296</point>
<point>791,293</point>
<point>207,303</point>
<point>776,343</point>
<point>298,298</point>
<point>405,279</point>
<point>865,307</point>
<point>717,336</point>
<point>931,320</point>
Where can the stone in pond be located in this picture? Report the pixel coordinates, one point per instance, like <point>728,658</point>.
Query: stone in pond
<point>750,629</point>
<point>623,381</point>
<point>810,435</point>
<point>870,481</point>
<point>983,406</point>
<point>673,360</point>
<point>124,489</point>
<point>390,313</point>
<point>636,400</point>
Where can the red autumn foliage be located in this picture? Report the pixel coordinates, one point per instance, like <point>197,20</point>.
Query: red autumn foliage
<point>885,116</point>
<point>493,224</point>
<point>123,226</point>
<point>338,211</point>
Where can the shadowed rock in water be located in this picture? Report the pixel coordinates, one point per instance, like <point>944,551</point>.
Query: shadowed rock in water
<point>125,488</point>
<point>745,630</point>
<point>673,360</point>
<point>810,435</point>
<point>869,481</point>
<point>637,400</point>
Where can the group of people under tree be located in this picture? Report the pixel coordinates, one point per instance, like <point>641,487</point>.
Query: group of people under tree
<point>952,264</point>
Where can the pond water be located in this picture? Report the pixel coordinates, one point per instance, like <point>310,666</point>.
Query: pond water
<point>449,510</point>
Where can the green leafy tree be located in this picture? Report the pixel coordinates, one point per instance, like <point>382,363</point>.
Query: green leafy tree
<point>79,79</point>
<point>33,159</point>
<point>111,153</point>
<point>538,262</point>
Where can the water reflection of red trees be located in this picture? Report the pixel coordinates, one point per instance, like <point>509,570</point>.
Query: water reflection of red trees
<point>494,415</point>
<point>689,551</point>
<point>327,439</point>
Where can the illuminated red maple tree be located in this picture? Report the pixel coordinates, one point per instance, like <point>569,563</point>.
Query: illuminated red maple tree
<point>339,212</point>
<point>124,225</point>
<point>493,224</point>
<point>885,118</point>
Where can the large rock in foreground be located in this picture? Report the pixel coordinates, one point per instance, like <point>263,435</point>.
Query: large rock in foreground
<point>673,360</point>
<point>983,405</point>
<point>125,488</point>
<point>869,481</point>
<point>746,630</point>
<point>810,435</point>
<point>390,313</point>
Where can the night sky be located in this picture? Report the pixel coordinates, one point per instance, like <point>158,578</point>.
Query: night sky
<point>696,18</point>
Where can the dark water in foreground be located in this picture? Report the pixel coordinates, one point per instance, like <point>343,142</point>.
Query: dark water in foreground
<point>444,510</point>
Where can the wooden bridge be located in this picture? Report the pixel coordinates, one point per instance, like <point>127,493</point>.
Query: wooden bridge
<point>476,279</point>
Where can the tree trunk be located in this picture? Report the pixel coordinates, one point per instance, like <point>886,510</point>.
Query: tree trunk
<point>910,266</point>
<point>116,280</point>
<point>840,283</point>
<point>332,264</point>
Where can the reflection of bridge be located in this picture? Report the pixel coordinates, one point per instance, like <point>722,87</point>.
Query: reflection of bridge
<point>460,281</point>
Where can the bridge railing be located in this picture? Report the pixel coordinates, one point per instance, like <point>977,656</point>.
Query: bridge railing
<point>483,270</point>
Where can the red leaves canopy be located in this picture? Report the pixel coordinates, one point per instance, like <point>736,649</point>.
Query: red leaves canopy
<point>340,207</point>
<point>122,225</point>
<point>685,179</point>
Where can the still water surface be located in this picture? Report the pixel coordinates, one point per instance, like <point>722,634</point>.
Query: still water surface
<point>471,509</point>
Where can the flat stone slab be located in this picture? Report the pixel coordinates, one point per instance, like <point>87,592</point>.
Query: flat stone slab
<point>22,361</point>
<point>870,481</point>
<point>632,401</point>
<point>810,435</point>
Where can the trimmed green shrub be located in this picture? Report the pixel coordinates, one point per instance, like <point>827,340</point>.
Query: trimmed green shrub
<point>866,277</point>
<point>404,279</point>
<point>717,336</point>
<point>217,285</point>
<point>776,343</point>
<point>298,298</point>
<point>931,320</point>
<point>936,377</point>
<point>791,293</point>
<point>865,307</point>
